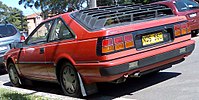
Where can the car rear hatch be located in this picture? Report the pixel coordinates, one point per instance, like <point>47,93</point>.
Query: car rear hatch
<point>129,27</point>
<point>107,17</point>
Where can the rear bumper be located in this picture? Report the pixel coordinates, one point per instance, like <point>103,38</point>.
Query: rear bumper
<point>111,70</point>
<point>146,61</point>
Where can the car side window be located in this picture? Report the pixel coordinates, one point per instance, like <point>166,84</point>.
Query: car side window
<point>60,31</point>
<point>41,34</point>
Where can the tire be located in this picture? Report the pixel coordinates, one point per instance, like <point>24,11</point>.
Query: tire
<point>154,72</point>
<point>69,80</point>
<point>13,75</point>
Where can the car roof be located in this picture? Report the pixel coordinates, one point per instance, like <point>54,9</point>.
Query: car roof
<point>54,17</point>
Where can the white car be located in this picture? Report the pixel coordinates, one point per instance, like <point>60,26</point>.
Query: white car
<point>8,34</point>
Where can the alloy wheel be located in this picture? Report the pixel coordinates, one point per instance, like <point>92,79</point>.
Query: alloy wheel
<point>14,77</point>
<point>69,80</point>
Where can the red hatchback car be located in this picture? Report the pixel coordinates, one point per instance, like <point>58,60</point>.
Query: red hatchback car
<point>108,44</point>
<point>188,8</point>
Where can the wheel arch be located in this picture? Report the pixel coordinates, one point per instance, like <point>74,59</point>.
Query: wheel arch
<point>59,63</point>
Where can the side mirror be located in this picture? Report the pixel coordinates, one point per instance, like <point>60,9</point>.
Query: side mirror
<point>16,45</point>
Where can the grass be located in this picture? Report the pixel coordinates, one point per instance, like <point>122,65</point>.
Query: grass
<point>13,95</point>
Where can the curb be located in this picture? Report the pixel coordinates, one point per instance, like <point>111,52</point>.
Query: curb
<point>51,96</point>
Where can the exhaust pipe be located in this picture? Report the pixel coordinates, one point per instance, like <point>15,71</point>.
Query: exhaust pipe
<point>121,80</point>
<point>136,74</point>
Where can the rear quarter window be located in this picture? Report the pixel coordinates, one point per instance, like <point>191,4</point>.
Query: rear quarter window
<point>7,30</point>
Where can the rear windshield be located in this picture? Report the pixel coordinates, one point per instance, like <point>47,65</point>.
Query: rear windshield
<point>7,30</point>
<point>183,5</point>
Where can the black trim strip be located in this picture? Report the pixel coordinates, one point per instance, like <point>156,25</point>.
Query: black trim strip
<point>35,63</point>
<point>146,61</point>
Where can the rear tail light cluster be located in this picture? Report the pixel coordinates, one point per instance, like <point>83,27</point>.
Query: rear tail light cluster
<point>117,43</point>
<point>107,45</point>
<point>181,29</point>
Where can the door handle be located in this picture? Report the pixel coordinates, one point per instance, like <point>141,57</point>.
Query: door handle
<point>42,50</point>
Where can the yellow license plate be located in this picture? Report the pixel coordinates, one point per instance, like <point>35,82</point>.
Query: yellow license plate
<point>152,38</point>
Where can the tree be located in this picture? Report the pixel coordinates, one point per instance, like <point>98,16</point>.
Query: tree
<point>104,2</point>
<point>113,2</point>
<point>13,16</point>
<point>93,3</point>
<point>54,7</point>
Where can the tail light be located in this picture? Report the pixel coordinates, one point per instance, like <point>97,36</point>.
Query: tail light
<point>129,41</point>
<point>181,29</point>
<point>117,43</point>
<point>177,30</point>
<point>188,29</point>
<point>22,38</point>
<point>107,45</point>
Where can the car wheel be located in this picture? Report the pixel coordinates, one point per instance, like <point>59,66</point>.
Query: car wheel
<point>13,75</point>
<point>69,80</point>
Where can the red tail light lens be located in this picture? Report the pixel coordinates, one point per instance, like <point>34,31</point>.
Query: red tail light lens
<point>181,29</point>
<point>129,41</point>
<point>177,30</point>
<point>119,43</point>
<point>22,38</point>
<point>107,42</point>
<point>107,45</point>
<point>188,29</point>
<point>128,37</point>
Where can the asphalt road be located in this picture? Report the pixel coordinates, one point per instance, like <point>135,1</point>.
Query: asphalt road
<point>181,82</point>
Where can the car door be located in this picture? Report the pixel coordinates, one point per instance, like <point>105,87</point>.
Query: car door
<point>60,33</point>
<point>32,57</point>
